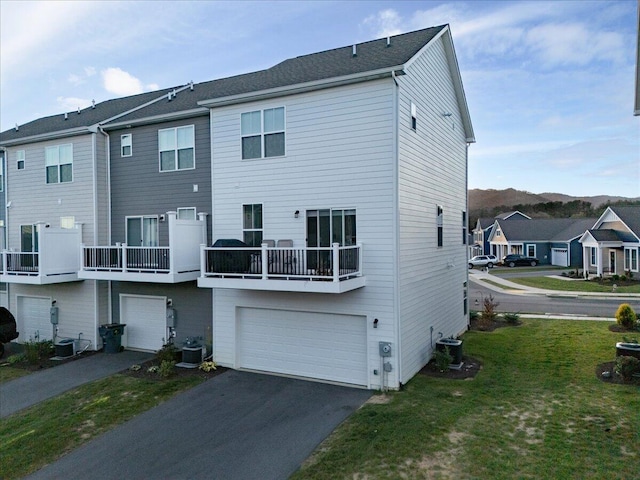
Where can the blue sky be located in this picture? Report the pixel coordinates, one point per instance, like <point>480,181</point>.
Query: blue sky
<point>550,85</point>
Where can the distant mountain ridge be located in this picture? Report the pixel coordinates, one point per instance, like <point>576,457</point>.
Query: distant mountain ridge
<point>487,199</point>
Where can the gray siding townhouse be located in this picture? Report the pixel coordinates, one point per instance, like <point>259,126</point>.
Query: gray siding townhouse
<point>553,241</point>
<point>57,197</point>
<point>612,245</point>
<point>160,194</point>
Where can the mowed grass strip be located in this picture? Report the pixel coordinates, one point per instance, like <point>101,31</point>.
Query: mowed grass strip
<point>8,373</point>
<point>535,410</point>
<point>572,286</point>
<point>39,435</point>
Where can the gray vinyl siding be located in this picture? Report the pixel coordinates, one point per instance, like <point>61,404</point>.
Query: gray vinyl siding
<point>339,154</point>
<point>33,200</point>
<point>432,171</point>
<point>192,306</point>
<point>139,188</point>
<point>101,205</point>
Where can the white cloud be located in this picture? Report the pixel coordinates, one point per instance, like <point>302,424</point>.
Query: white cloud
<point>384,23</point>
<point>119,82</point>
<point>89,71</point>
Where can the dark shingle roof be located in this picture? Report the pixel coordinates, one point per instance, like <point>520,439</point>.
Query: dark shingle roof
<point>609,235</point>
<point>630,215</point>
<point>545,229</point>
<point>87,117</point>
<point>371,56</point>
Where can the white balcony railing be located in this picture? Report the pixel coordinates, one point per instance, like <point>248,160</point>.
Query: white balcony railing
<point>332,269</point>
<point>122,258</point>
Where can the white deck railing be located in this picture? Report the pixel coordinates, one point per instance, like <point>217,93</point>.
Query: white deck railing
<point>333,263</point>
<point>122,258</point>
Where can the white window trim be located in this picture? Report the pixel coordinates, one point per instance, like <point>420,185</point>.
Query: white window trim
<point>58,164</point>
<point>252,229</point>
<point>129,144</point>
<point>593,255</point>
<point>414,117</point>
<point>535,249</point>
<point>185,209</point>
<point>629,259</point>
<point>263,133</point>
<point>142,217</point>
<point>175,130</point>
<point>68,222</point>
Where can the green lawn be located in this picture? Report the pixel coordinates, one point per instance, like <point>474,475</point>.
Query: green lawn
<point>536,410</point>
<point>572,285</point>
<point>34,437</point>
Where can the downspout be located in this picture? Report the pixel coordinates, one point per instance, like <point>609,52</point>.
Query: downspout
<point>396,199</point>
<point>108,159</point>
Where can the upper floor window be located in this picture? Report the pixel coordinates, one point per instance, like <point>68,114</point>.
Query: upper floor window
<point>126,145</point>
<point>439,224</point>
<point>67,222</point>
<point>414,116</point>
<point>252,224</point>
<point>177,148</point>
<point>59,163</point>
<point>262,133</point>
<point>20,158</point>
<point>1,176</point>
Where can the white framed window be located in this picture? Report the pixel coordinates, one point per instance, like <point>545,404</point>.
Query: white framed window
<point>68,222</point>
<point>252,224</point>
<point>59,163</point>
<point>263,133</point>
<point>414,116</point>
<point>1,176</point>
<point>177,148</point>
<point>187,213</point>
<point>594,256</point>
<point>126,145</point>
<point>498,232</point>
<point>20,159</point>
<point>531,250</point>
<point>631,259</point>
<point>464,228</point>
<point>440,224</point>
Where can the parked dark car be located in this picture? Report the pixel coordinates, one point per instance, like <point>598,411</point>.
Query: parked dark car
<point>514,259</point>
<point>8,330</point>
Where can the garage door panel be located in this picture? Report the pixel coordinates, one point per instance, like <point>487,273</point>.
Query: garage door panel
<point>145,318</point>
<point>35,318</point>
<point>323,346</point>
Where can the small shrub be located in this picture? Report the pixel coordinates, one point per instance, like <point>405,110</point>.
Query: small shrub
<point>168,353</point>
<point>511,318</point>
<point>135,368</point>
<point>208,366</point>
<point>16,358</point>
<point>443,358</point>
<point>615,278</point>
<point>166,368</point>
<point>626,316</point>
<point>473,315</point>
<point>626,366</point>
<point>153,369</point>
<point>623,278</point>
<point>34,351</point>
<point>489,313</point>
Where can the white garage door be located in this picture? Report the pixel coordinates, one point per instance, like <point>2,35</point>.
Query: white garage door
<point>146,319</point>
<point>323,346</point>
<point>34,319</point>
<point>560,257</point>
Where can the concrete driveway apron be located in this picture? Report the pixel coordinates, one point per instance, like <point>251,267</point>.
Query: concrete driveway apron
<point>237,425</point>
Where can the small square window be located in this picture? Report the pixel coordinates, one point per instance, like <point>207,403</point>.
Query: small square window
<point>414,116</point>
<point>20,158</point>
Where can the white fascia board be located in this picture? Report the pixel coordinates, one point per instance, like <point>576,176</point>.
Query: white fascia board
<point>301,87</point>
<point>194,112</point>
<point>47,136</point>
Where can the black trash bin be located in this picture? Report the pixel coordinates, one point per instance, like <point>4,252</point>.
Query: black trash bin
<point>111,335</point>
<point>225,261</point>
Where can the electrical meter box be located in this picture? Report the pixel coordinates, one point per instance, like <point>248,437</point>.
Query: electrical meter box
<point>54,315</point>
<point>385,349</point>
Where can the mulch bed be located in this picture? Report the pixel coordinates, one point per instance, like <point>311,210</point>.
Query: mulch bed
<point>615,379</point>
<point>620,329</point>
<point>47,362</point>
<point>483,326</point>
<point>470,368</point>
<point>178,372</point>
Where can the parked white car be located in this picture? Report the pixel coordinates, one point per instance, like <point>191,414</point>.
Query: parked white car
<point>483,261</point>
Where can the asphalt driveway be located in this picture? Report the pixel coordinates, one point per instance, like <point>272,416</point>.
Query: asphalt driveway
<point>237,425</point>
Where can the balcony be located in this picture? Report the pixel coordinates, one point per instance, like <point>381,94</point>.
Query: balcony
<point>332,269</point>
<point>176,263</point>
<point>55,262</point>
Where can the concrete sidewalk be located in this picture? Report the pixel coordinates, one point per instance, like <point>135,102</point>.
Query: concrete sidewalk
<point>26,391</point>
<point>480,277</point>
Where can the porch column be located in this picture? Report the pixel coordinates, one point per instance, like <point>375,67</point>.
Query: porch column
<point>599,261</point>
<point>586,254</point>
<point>264,257</point>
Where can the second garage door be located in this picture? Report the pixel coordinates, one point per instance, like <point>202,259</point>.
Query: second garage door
<point>316,345</point>
<point>146,320</point>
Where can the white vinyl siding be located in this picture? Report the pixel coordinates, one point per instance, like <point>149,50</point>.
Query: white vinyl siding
<point>145,318</point>
<point>176,148</point>
<point>59,163</point>
<point>431,171</point>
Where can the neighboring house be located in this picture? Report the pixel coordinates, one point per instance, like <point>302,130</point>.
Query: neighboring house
<point>57,197</point>
<point>160,185</point>
<point>344,173</point>
<point>484,227</point>
<point>612,245</point>
<point>552,241</point>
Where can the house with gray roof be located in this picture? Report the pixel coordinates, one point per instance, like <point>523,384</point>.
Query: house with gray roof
<point>553,241</point>
<point>484,227</point>
<point>611,246</point>
<point>329,195</point>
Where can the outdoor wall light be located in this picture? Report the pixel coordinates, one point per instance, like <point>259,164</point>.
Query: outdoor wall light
<point>296,214</point>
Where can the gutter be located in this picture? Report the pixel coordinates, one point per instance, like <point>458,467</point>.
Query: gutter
<point>303,87</point>
<point>47,136</point>
<point>158,118</point>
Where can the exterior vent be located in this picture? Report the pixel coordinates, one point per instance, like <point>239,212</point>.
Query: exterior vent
<point>191,85</point>
<point>388,41</point>
<point>93,104</point>
<point>354,51</point>
<point>16,127</point>
<point>66,116</point>
<point>78,110</point>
